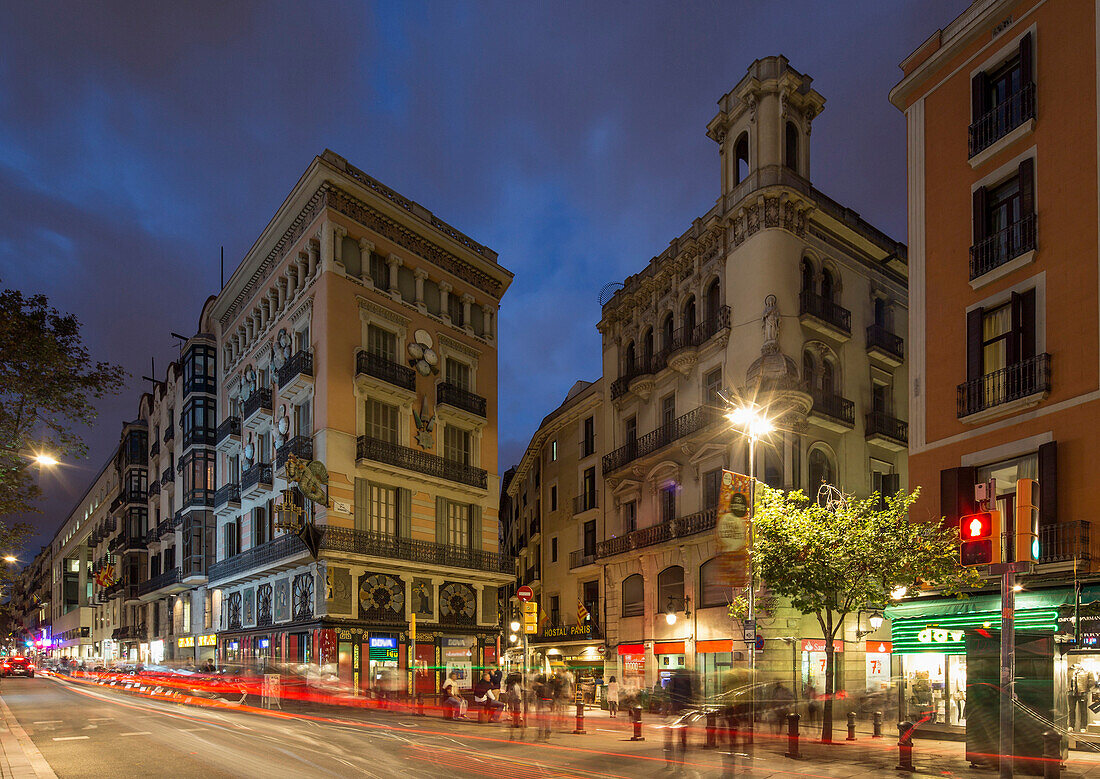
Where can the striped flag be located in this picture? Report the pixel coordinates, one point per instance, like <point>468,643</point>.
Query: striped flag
<point>582,612</point>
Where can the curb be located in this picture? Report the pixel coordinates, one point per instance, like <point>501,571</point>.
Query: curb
<point>21,757</point>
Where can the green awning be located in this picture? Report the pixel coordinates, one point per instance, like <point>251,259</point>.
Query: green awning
<point>1037,599</point>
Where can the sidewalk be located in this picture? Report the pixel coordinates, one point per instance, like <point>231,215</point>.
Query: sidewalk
<point>19,757</point>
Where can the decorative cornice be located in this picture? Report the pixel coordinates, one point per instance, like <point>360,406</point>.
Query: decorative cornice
<point>303,310</point>
<point>457,346</point>
<point>382,311</point>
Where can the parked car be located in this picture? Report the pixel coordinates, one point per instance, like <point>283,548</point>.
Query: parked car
<point>17,666</point>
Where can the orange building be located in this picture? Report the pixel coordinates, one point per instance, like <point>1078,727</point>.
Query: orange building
<point>1001,115</point>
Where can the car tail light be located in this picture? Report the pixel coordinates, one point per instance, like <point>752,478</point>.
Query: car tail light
<point>30,667</point>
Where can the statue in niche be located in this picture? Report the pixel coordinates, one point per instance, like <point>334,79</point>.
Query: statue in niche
<point>770,323</point>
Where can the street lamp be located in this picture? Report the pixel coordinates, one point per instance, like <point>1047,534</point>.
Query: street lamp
<point>10,558</point>
<point>874,619</point>
<point>670,611</point>
<point>514,626</point>
<point>44,459</point>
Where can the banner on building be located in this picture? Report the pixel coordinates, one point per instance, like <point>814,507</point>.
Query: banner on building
<point>732,533</point>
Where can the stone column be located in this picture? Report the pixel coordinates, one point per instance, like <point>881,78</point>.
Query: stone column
<point>280,291</point>
<point>301,271</point>
<point>419,274</point>
<point>467,300</point>
<point>490,322</point>
<point>327,235</point>
<point>394,262</point>
<point>444,301</point>
<point>338,234</point>
<point>365,249</point>
<point>314,248</point>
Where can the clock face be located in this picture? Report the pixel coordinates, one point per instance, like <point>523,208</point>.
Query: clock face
<point>456,600</point>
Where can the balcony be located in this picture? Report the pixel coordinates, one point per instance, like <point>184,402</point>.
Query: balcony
<point>227,499</point>
<point>584,502</point>
<point>154,450</point>
<point>832,412</point>
<point>301,446</point>
<point>680,527</point>
<point>154,585</point>
<point>228,438</point>
<point>532,575</point>
<point>885,346</point>
<point>165,526</point>
<point>256,480</point>
<point>1064,542</point>
<point>640,367</point>
<point>379,367</point>
<point>886,431</point>
<point>256,411</point>
<point>998,122</point>
<point>129,633</point>
<point>167,477</point>
<point>824,316</point>
<point>1002,247</point>
<point>1004,391</point>
<point>169,433</point>
<point>535,528</point>
<point>154,489</point>
<point>464,400</point>
<point>691,422</point>
<point>580,558</point>
<point>296,377</point>
<point>428,464</point>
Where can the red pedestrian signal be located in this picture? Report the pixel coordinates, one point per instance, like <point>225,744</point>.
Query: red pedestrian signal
<point>980,536</point>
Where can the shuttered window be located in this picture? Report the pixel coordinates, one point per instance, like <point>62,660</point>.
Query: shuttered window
<point>382,421</point>
<point>382,510</point>
<point>458,374</point>
<point>456,444</point>
<point>458,525</point>
<point>382,343</point>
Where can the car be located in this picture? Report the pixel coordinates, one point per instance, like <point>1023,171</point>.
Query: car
<point>17,666</point>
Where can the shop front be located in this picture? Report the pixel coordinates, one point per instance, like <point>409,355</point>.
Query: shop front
<point>632,666</point>
<point>670,656</point>
<point>714,660</point>
<point>577,649</point>
<point>196,649</point>
<point>814,662</point>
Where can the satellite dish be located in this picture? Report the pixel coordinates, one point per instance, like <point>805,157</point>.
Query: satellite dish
<point>609,291</point>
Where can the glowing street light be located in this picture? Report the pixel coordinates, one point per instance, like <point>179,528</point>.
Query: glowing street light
<point>46,460</point>
<point>9,558</point>
<point>899,592</point>
<point>514,626</point>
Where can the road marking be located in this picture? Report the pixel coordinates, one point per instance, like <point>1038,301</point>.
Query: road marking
<point>605,730</point>
<point>47,721</point>
<point>68,738</point>
<point>136,733</point>
<point>190,730</point>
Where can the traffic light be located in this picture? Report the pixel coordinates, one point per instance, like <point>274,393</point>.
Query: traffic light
<point>1027,520</point>
<point>980,535</point>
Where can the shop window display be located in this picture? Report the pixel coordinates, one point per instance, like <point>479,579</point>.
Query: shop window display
<point>935,687</point>
<point>1083,692</point>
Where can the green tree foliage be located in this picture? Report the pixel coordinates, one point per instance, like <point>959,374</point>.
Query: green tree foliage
<point>48,387</point>
<point>834,561</point>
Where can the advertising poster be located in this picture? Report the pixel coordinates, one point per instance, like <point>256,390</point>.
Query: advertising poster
<point>732,530</point>
<point>458,656</point>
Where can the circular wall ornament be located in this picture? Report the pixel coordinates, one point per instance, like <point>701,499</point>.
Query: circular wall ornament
<point>424,338</point>
<point>421,355</point>
<point>284,423</point>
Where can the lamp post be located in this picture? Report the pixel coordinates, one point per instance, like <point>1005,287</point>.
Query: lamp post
<point>752,423</point>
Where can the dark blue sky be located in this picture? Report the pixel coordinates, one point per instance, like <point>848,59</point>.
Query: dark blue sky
<point>137,138</point>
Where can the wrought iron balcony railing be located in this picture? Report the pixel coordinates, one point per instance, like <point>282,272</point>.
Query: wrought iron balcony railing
<point>826,310</point>
<point>459,398</point>
<point>152,584</point>
<point>230,427</point>
<point>260,473</point>
<point>227,493</point>
<point>299,363</point>
<point>580,557</point>
<point>879,337</point>
<point>680,527</point>
<point>429,464</point>
<point>1014,382</point>
<point>299,446</point>
<point>834,406</point>
<point>691,422</point>
<point>1064,542</point>
<point>584,502</point>
<point>1002,246</point>
<point>881,423</point>
<point>379,367</point>
<point>257,401</point>
<point>999,121</point>
<point>154,448</point>
<point>167,476</point>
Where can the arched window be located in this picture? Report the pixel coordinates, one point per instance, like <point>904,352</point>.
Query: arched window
<point>647,345</point>
<point>666,332</point>
<point>807,276</point>
<point>773,468</point>
<point>712,592</point>
<point>827,285</point>
<point>741,158</point>
<point>791,146</point>
<point>630,359</point>
<point>822,471</point>
<point>714,300</point>
<point>670,584</point>
<point>828,377</point>
<point>808,372</point>
<point>633,596</point>
<point>689,316</point>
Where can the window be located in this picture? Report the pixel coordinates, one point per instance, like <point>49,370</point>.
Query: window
<point>668,408</point>
<point>712,385</point>
<point>790,146</point>
<point>458,374</point>
<point>1004,221</point>
<point>198,478</point>
<point>457,310</point>
<point>712,482</point>
<point>199,370</point>
<point>630,430</point>
<point>379,271</point>
<point>885,484</point>
<point>554,450</point>
<point>588,485</point>
<point>633,596</point>
<point>822,471</point>
<point>880,398</point>
<point>554,549</point>
<point>263,523</point>
<point>807,276</point>
<point>666,333</point>
<point>303,419</point>
<point>590,594</point>
<point>668,503</point>
<point>458,525</point>
<point>199,420</point>
<point>827,284</point>
<point>588,444</point>
<point>689,318</point>
<point>382,421</point>
<point>382,510</point>
<point>382,343</point>
<point>590,538</point>
<point>670,584</point>
<point>741,158</point>
<point>1002,99</point>
<point>555,610</point>
<point>232,535</point>
<point>630,358</point>
<point>554,497</point>
<point>630,516</point>
<point>711,590</point>
<point>456,444</point>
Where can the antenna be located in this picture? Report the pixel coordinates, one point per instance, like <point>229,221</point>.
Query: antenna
<point>609,291</point>
<point>221,271</point>
<point>152,372</point>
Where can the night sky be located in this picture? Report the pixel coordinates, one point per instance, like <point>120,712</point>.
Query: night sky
<point>138,138</point>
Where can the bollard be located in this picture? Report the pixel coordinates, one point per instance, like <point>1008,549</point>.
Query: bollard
<point>877,725</point>
<point>482,714</point>
<point>712,730</point>
<point>792,735</point>
<point>580,720</point>
<point>905,746</point>
<point>420,704</point>
<point>1052,755</point>
<point>851,726</point>
<point>636,714</point>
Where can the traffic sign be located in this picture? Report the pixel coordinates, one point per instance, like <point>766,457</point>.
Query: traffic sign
<point>525,593</point>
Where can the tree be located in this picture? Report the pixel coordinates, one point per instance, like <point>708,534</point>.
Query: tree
<point>48,386</point>
<point>836,560</point>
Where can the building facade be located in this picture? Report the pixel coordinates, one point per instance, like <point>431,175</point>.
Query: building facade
<point>1005,327</point>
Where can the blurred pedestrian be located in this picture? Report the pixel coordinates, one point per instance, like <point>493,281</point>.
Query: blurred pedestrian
<point>782,700</point>
<point>544,701</point>
<point>613,696</point>
<point>681,696</point>
<point>812,705</point>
